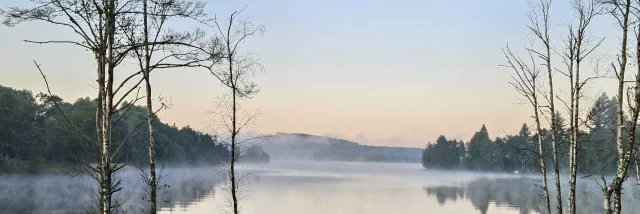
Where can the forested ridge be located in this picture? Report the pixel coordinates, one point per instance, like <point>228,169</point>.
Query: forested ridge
<point>518,152</point>
<point>299,146</point>
<point>33,133</point>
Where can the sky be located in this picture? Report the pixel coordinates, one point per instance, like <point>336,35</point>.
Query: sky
<point>395,73</point>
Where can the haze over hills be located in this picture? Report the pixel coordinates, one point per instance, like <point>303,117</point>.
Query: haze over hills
<point>297,146</point>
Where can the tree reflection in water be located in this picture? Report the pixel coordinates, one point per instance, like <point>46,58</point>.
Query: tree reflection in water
<point>60,193</point>
<point>524,195</point>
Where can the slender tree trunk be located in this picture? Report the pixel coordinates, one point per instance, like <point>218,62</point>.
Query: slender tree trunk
<point>233,159</point>
<point>572,137</point>
<point>616,184</point>
<point>100,113</point>
<point>107,106</point>
<point>555,161</point>
<point>147,77</point>
<point>554,142</point>
<point>637,168</point>
<point>607,201</point>
<point>543,169</point>
<point>573,165</point>
<point>152,161</point>
<point>631,148</point>
<point>617,201</point>
<point>555,148</point>
<point>234,132</point>
<point>101,133</point>
<point>632,133</point>
<point>573,160</point>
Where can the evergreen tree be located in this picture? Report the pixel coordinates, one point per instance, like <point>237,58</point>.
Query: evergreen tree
<point>480,150</point>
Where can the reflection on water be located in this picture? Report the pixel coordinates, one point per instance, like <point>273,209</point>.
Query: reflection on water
<point>184,190</point>
<point>348,188</point>
<point>524,195</point>
<point>61,193</point>
<point>295,187</point>
<point>515,193</point>
<point>374,188</point>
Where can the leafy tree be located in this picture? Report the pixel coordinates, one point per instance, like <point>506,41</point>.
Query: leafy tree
<point>444,154</point>
<point>480,151</point>
<point>33,134</point>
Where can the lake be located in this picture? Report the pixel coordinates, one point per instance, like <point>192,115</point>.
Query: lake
<point>294,187</point>
<point>288,187</point>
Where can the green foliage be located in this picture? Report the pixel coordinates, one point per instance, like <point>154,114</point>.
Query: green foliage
<point>34,132</point>
<point>20,129</point>
<point>444,154</point>
<point>599,148</point>
<point>596,151</point>
<point>481,151</point>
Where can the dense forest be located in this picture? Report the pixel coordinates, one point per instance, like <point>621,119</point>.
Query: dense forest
<point>519,152</point>
<point>311,147</point>
<point>33,133</point>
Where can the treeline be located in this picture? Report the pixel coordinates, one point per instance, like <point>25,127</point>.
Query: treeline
<point>34,134</point>
<point>311,147</point>
<point>597,146</point>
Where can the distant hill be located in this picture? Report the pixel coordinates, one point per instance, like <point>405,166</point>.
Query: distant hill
<point>311,147</point>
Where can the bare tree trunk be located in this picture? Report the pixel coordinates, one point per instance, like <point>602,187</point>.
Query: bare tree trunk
<point>552,108</point>
<point>525,83</point>
<point>632,133</point>
<point>234,131</point>
<point>543,169</point>
<point>631,148</point>
<point>617,201</point>
<point>237,77</point>
<point>572,140</point>
<point>637,168</point>
<point>616,184</point>
<point>94,22</point>
<point>540,28</point>
<point>107,106</point>
<point>101,135</point>
<point>573,161</point>
<point>152,160</point>
<point>575,98</point>
<point>607,201</point>
<point>234,195</point>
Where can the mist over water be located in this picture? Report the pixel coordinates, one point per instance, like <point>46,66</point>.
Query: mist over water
<point>64,193</point>
<point>288,187</point>
<point>381,188</point>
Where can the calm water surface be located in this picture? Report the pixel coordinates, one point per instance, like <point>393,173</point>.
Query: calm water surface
<point>375,188</point>
<point>295,187</point>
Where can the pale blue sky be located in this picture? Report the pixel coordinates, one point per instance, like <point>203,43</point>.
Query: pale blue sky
<point>378,72</point>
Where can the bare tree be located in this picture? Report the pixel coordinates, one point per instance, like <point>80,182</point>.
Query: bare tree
<point>636,13</point>
<point>539,26</point>
<point>621,11</point>
<point>152,38</point>
<point>99,25</point>
<point>577,47</point>
<point>525,83</point>
<point>235,72</point>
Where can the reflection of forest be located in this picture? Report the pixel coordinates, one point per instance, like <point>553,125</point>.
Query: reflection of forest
<point>524,195</point>
<point>55,193</point>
